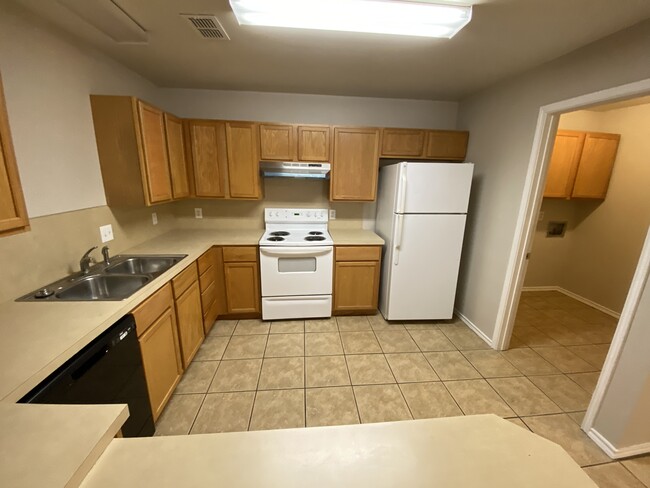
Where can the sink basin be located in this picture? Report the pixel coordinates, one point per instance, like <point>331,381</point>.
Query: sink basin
<point>138,265</point>
<point>103,287</point>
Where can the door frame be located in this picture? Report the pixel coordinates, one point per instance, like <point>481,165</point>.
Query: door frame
<point>547,123</point>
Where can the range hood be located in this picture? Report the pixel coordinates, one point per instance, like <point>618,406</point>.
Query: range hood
<point>280,169</point>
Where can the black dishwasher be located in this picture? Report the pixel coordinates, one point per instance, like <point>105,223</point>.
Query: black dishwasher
<point>108,370</point>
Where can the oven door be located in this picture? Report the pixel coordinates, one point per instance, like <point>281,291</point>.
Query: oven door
<point>296,271</point>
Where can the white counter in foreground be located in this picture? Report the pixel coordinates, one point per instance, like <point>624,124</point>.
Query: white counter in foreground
<point>461,452</point>
<point>54,445</point>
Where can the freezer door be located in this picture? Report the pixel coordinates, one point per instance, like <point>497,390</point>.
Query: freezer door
<point>434,187</point>
<point>424,268</point>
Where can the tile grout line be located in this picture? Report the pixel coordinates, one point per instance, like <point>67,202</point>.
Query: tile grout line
<point>250,418</point>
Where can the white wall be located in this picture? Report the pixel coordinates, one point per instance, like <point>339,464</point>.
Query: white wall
<point>310,109</point>
<point>502,122</point>
<point>47,81</point>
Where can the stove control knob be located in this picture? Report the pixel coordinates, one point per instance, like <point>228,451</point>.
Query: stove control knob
<point>308,214</point>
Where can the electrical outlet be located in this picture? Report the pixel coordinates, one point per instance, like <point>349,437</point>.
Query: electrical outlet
<point>106,232</point>
<point>540,217</point>
<point>332,214</point>
<point>154,218</point>
<point>198,213</point>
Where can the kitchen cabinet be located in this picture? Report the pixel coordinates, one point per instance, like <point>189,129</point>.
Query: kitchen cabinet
<point>355,164</point>
<point>447,145</point>
<point>158,335</point>
<point>177,160</point>
<point>284,142</point>
<point>207,139</point>
<point>135,145</point>
<point>402,143</point>
<point>211,281</point>
<point>13,214</point>
<point>581,164</point>
<point>242,280</point>
<point>189,314</point>
<point>243,160</point>
<point>356,279</point>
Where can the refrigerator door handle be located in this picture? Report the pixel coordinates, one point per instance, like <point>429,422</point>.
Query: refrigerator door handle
<point>402,189</point>
<point>398,237</point>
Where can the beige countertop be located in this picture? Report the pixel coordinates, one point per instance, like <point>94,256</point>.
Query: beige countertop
<point>470,452</point>
<point>37,338</point>
<point>54,445</point>
<point>355,237</point>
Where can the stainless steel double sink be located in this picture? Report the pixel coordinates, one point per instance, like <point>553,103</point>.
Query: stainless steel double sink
<point>120,279</point>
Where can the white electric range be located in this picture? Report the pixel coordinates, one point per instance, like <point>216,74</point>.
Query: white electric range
<point>296,264</point>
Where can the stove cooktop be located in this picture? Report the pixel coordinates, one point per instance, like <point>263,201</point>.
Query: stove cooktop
<point>296,237</point>
<point>296,227</point>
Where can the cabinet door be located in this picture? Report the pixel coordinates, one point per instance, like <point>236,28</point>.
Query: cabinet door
<point>313,143</point>
<point>355,164</point>
<point>208,142</point>
<point>402,143</point>
<point>155,161</point>
<point>162,360</point>
<point>243,160</point>
<point>242,287</point>
<point>447,144</point>
<point>596,165</point>
<point>13,216</point>
<point>277,142</point>
<point>189,318</point>
<point>356,286</point>
<point>176,152</point>
<point>564,164</point>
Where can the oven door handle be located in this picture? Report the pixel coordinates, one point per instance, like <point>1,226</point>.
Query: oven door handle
<point>301,252</point>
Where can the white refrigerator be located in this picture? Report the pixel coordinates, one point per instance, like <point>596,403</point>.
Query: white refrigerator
<point>421,214</point>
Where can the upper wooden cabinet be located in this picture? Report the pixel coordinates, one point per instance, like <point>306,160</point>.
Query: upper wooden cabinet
<point>448,145</point>
<point>134,145</point>
<point>243,160</point>
<point>402,143</point>
<point>177,160</point>
<point>13,215</point>
<point>209,158</point>
<point>354,164</point>
<point>285,142</point>
<point>581,164</point>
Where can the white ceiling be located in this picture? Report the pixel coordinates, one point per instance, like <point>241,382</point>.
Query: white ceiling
<point>504,37</point>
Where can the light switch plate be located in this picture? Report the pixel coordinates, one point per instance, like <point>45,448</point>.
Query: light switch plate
<point>106,231</point>
<point>332,214</point>
<point>198,213</point>
<point>154,218</point>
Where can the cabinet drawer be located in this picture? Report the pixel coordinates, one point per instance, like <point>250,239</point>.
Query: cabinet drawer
<point>208,296</point>
<point>240,254</point>
<point>210,316</point>
<point>183,281</point>
<point>206,260</point>
<point>152,308</point>
<point>208,278</point>
<point>358,253</point>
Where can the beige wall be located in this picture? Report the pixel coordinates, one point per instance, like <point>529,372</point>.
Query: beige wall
<point>623,415</point>
<point>599,253</point>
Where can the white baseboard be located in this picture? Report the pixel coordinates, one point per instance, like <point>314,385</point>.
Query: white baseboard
<point>474,328</point>
<point>617,453</point>
<point>582,299</point>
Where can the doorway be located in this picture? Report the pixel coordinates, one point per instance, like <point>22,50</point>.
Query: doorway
<point>527,225</point>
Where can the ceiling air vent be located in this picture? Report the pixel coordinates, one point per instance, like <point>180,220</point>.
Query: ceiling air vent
<point>208,26</point>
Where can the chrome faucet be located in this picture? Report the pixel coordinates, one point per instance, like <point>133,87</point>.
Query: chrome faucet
<point>86,261</point>
<point>107,257</point>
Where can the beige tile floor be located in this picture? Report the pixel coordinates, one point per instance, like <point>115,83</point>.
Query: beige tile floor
<point>254,375</point>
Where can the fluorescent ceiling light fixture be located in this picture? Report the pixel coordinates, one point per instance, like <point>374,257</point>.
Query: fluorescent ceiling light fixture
<point>404,18</point>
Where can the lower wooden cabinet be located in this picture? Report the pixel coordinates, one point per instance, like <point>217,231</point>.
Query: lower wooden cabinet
<point>242,280</point>
<point>159,346</point>
<point>356,279</point>
<point>211,281</point>
<point>189,315</point>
